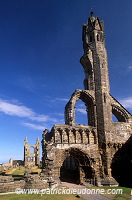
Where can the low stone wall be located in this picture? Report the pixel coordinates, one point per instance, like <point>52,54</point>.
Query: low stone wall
<point>7,183</point>
<point>35,182</point>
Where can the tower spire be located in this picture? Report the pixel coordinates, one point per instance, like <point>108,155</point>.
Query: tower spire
<point>37,140</point>
<point>25,141</point>
<point>92,13</point>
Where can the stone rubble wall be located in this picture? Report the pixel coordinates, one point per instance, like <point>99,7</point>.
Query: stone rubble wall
<point>7,183</point>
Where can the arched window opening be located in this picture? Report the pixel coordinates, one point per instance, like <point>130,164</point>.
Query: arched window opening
<point>32,159</point>
<point>114,119</point>
<point>77,113</point>
<point>29,159</point>
<point>98,38</point>
<point>80,113</point>
<point>31,149</point>
<point>91,138</point>
<point>65,137</point>
<point>58,137</point>
<point>79,138</point>
<point>101,37</point>
<point>72,137</point>
<point>90,38</point>
<point>119,114</point>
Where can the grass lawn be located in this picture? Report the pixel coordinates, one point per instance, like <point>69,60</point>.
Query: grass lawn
<point>21,171</point>
<point>38,196</point>
<point>126,193</point>
<point>18,173</point>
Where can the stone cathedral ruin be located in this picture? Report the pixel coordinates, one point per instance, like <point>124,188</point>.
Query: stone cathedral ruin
<point>99,153</point>
<point>31,158</point>
<point>92,153</point>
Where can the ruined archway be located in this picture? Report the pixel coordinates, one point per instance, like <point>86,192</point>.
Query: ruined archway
<point>122,164</point>
<point>69,171</point>
<point>89,102</point>
<point>119,113</point>
<point>76,167</point>
<point>81,116</point>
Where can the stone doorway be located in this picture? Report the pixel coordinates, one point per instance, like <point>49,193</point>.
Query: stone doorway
<point>76,168</point>
<point>122,165</point>
<point>69,171</point>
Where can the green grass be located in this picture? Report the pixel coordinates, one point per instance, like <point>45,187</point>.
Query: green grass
<point>21,171</point>
<point>126,193</point>
<point>18,173</point>
<point>38,196</point>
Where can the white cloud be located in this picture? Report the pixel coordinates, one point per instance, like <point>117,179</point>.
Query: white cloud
<point>127,102</point>
<point>62,99</point>
<point>13,109</point>
<point>59,114</point>
<point>130,68</point>
<point>81,105</point>
<point>34,126</point>
<point>59,99</point>
<point>81,110</point>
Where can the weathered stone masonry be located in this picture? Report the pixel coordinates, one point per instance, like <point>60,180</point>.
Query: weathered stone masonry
<point>31,159</point>
<point>86,153</point>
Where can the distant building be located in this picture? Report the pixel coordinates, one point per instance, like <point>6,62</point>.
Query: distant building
<point>6,166</point>
<point>17,163</point>
<point>31,154</point>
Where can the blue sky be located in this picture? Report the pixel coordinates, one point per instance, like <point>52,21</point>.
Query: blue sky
<point>40,48</point>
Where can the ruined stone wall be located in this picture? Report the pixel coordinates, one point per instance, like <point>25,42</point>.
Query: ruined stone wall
<point>32,159</point>
<point>7,183</point>
<point>80,142</point>
<point>78,134</point>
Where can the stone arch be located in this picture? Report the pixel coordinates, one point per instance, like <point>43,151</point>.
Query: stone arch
<point>90,107</point>
<point>29,159</point>
<point>72,137</point>
<point>86,137</point>
<point>82,166</point>
<point>32,149</point>
<point>121,165</point>
<point>79,137</point>
<point>119,113</point>
<point>91,38</point>
<point>58,136</point>
<point>98,37</point>
<point>64,137</point>
<point>92,137</point>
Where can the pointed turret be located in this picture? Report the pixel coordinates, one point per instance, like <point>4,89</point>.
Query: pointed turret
<point>25,141</point>
<point>37,140</point>
<point>92,32</point>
